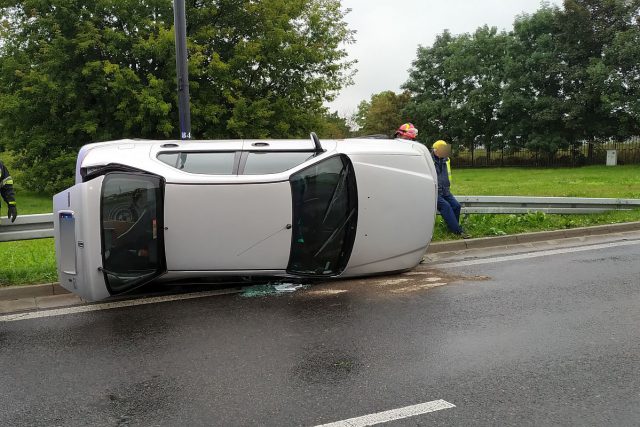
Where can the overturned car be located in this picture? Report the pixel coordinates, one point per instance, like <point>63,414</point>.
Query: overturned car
<point>169,211</point>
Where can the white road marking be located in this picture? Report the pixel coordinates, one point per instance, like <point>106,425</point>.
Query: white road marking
<point>111,305</point>
<point>534,254</point>
<point>392,415</point>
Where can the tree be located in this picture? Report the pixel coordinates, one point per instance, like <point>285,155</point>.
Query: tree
<point>622,88</point>
<point>434,83</point>
<point>481,91</point>
<point>264,69</point>
<point>562,76</point>
<point>457,88</point>
<point>534,112</point>
<point>71,73</point>
<point>333,127</point>
<point>74,72</point>
<point>382,114</point>
<point>591,39</point>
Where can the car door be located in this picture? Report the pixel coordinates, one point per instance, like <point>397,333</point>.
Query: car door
<point>109,234</point>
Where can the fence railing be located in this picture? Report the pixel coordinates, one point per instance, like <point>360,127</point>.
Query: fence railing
<point>40,226</point>
<point>586,153</point>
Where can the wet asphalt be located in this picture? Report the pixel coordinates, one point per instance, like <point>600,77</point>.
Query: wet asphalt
<point>544,341</point>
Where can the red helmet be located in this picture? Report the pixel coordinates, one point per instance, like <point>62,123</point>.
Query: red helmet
<point>407,131</point>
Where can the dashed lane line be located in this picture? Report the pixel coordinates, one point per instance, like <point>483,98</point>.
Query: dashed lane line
<point>393,415</point>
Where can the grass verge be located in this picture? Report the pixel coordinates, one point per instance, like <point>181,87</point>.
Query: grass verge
<point>589,181</point>
<point>502,225</point>
<point>27,262</point>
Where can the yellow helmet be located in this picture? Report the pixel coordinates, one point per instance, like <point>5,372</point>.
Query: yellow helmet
<point>438,144</point>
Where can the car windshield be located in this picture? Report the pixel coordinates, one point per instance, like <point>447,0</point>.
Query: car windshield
<point>325,217</point>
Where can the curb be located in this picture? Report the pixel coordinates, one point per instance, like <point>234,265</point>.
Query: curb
<point>487,242</point>
<point>49,289</point>
<point>31,291</point>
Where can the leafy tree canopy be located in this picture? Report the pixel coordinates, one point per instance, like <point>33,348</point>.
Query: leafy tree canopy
<point>382,114</point>
<point>561,76</point>
<point>74,72</point>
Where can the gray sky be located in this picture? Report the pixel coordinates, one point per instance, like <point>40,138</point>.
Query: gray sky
<point>390,31</point>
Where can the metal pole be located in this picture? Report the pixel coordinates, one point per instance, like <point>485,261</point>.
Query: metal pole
<point>184,109</point>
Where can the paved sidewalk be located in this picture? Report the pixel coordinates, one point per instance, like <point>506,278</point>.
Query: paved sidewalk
<point>42,297</point>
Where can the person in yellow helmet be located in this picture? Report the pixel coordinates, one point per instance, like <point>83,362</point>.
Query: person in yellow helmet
<point>447,204</point>
<point>7,193</point>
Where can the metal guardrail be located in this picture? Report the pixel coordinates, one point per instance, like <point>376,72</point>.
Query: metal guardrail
<point>41,226</point>
<point>552,205</point>
<point>26,227</point>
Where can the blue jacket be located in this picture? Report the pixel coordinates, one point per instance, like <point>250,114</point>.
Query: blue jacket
<point>444,184</point>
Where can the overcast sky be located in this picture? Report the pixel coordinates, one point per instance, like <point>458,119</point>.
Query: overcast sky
<point>390,31</point>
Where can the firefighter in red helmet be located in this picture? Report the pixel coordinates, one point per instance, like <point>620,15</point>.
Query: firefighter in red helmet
<point>407,131</point>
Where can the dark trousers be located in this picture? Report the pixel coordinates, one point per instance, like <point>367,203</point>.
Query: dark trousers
<point>450,210</point>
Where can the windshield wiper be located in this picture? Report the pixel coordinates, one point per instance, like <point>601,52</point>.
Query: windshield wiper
<point>343,178</point>
<point>335,233</point>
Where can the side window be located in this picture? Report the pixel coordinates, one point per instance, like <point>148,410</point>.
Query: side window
<point>208,163</point>
<point>266,162</point>
<point>131,221</point>
<point>325,216</point>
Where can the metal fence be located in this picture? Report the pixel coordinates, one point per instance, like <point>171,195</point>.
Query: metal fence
<point>28,227</point>
<point>586,153</point>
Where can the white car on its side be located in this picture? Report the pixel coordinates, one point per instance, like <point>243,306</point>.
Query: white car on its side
<point>172,211</point>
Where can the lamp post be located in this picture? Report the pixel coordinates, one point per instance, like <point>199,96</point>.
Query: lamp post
<point>182,69</point>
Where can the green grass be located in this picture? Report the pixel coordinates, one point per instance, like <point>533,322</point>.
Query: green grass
<point>588,181</point>
<point>32,203</point>
<point>29,202</point>
<point>27,262</point>
<point>500,225</point>
<point>34,261</point>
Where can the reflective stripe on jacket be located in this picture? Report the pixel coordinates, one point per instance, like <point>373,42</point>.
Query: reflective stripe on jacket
<point>6,185</point>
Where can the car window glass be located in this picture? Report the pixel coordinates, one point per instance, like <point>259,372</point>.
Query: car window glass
<point>218,163</point>
<point>259,163</point>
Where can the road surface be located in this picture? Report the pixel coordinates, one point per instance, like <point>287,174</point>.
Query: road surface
<point>544,338</point>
